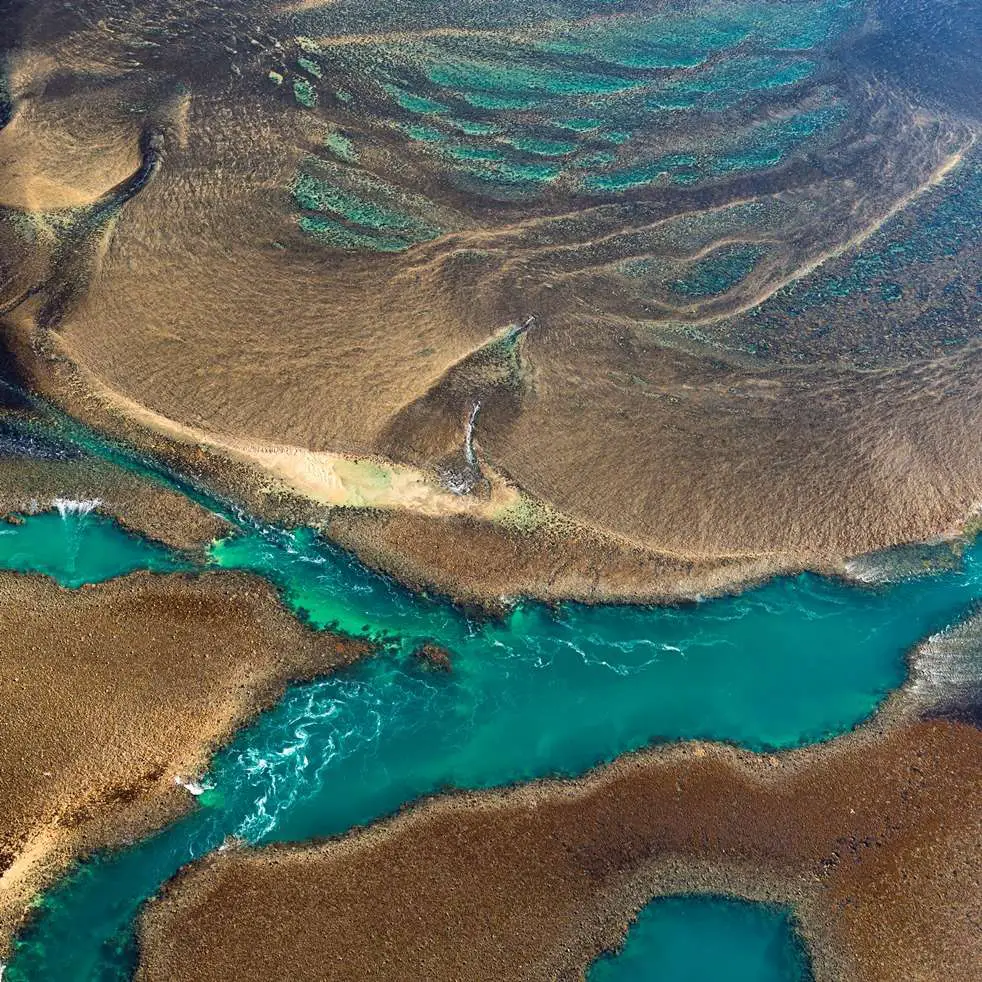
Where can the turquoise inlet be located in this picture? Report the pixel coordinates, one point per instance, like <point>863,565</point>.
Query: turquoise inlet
<point>75,545</point>
<point>612,167</point>
<point>707,939</point>
<point>541,691</point>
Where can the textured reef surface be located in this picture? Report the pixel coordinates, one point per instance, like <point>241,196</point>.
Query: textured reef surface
<point>504,274</point>
<point>496,346</point>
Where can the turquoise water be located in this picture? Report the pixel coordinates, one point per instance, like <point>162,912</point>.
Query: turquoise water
<point>719,272</point>
<point>628,72</point>
<point>74,545</point>
<point>707,939</point>
<point>542,691</point>
<point>756,147</point>
<point>350,220</point>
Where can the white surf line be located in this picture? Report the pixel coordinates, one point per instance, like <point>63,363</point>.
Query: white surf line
<point>469,435</point>
<point>73,506</point>
<point>192,786</point>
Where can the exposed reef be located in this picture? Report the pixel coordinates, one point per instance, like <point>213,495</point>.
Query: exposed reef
<point>876,840</point>
<point>947,672</point>
<point>435,657</point>
<point>110,692</point>
<point>30,484</point>
<point>350,206</point>
<point>536,553</point>
<point>626,300</point>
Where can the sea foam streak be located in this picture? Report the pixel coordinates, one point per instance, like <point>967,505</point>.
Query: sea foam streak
<point>192,786</point>
<point>73,506</point>
<point>947,668</point>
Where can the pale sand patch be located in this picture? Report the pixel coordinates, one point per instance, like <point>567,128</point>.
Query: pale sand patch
<point>324,477</point>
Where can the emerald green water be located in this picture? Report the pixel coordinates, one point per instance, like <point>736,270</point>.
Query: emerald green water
<point>348,220</point>
<point>75,545</point>
<point>540,692</point>
<point>718,272</point>
<point>707,939</point>
<point>481,108</point>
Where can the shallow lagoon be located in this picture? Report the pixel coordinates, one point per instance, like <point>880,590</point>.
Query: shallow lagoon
<point>707,939</point>
<point>75,545</point>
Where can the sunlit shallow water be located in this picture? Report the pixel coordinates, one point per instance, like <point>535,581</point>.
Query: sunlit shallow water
<point>707,939</point>
<point>74,545</point>
<point>542,691</point>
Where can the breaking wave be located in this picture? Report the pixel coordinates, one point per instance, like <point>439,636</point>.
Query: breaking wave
<point>946,670</point>
<point>74,506</point>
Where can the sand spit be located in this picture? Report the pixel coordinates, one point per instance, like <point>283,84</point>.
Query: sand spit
<point>876,839</point>
<point>28,485</point>
<point>110,692</point>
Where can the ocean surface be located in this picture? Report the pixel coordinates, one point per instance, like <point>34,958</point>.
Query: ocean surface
<point>582,112</point>
<point>707,939</point>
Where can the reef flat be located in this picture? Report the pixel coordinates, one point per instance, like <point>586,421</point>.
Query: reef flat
<point>110,693</point>
<point>487,268</point>
<point>424,332</point>
<point>875,841</point>
<point>29,485</point>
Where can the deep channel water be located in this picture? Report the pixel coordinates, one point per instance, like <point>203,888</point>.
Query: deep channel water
<point>542,692</point>
<point>707,939</point>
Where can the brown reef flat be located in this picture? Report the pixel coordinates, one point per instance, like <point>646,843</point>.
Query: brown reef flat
<point>182,302</point>
<point>875,839</point>
<point>484,563</point>
<point>110,692</point>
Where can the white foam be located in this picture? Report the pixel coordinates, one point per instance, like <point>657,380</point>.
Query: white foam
<point>864,569</point>
<point>469,435</point>
<point>457,484</point>
<point>948,665</point>
<point>192,786</point>
<point>74,506</point>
